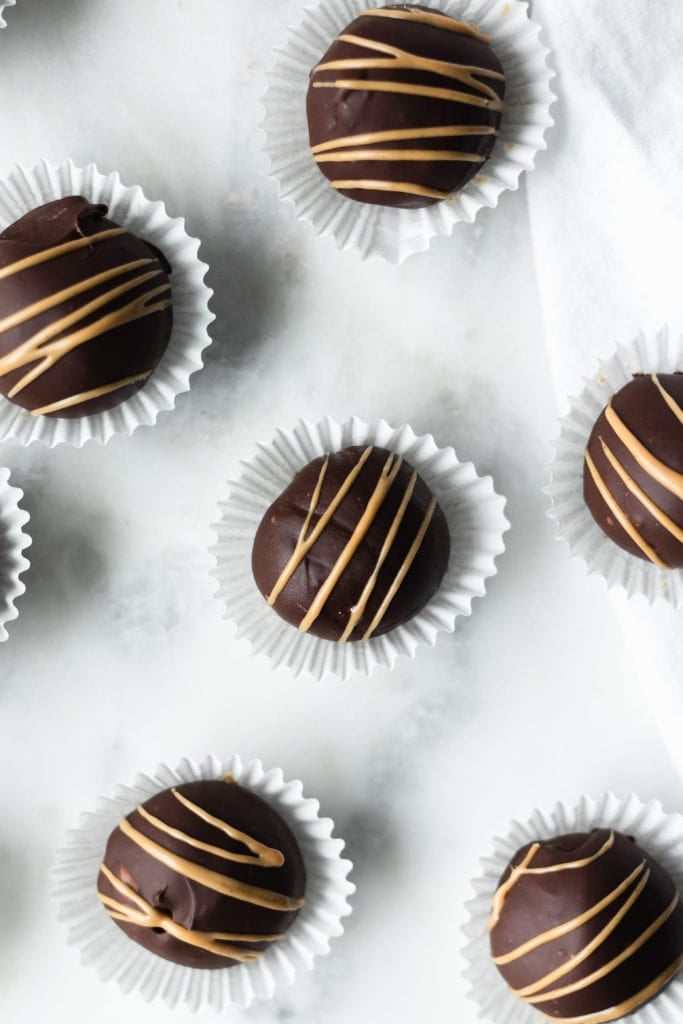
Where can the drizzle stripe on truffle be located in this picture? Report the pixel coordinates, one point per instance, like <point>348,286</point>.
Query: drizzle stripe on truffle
<point>574,961</point>
<point>430,91</point>
<point>305,544</point>
<point>368,184</point>
<point>620,516</point>
<point>205,876</point>
<point>384,484</point>
<point>87,396</point>
<point>605,969</point>
<point>146,916</point>
<point>403,571</point>
<point>262,855</point>
<point>628,1005</point>
<point>358,609</point>
<point>669,399</point>
<point>402,60</point>
<point>523,869</point>
<point>463,28</point>
<point>640,494</point>
<point>569,926</point>
<point>657,469</point>
<point>404,134</point>
<point>45,255</point>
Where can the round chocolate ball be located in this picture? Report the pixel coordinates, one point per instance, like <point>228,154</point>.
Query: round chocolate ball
<point>633,469</point>
<point>586,927</point>
<point>85,310</point>
<point>355,546</point>
<point>205,874</point>
<point>404,107</point>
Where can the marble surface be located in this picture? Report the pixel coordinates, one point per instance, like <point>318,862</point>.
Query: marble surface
<point>120,658</point>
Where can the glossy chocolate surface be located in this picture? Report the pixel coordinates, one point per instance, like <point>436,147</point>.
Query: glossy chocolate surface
<point>633,470</point>
<point>85,310</point>
<point>404,107</point>
<point>355,546</point>
<point>206,874</point>
<point>586,927</point>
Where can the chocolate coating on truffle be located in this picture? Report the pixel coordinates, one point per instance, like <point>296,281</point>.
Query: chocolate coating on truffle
<point>205,874</point>
<point>586,927</point>
<point>404,107</point>
<point>85,310</point>
<point>633,469</point>
<point>355,546</point>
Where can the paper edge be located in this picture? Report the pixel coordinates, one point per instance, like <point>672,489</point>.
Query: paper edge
<point>15,519</point>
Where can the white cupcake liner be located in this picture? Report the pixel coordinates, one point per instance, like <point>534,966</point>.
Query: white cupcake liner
<point>660,353</point>
<point>115,957</point>
<point>7,3</point>
<point>21,191</point>
<point>473,510</point>
<point>379,231</point>
<point>13,541</point>
<point>659,834</point>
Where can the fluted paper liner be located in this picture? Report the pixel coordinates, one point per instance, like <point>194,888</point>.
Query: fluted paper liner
<point>13,542</point>
<point>23,190</point>
<point>380,231</point>
<point>473,510</point>
<point>659,834</point>
<point>659,353</point>
<point>115,957</point>
<point>3,6</point>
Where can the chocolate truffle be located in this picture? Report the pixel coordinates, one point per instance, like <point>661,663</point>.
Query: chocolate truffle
<point>404,107</point>
<point>85,310</point>
<point>355,546</point>
<point>586,927</point>
<point>633,469</point>
<point>205,874</point>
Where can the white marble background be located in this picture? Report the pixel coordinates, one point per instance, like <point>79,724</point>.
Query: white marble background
<point>120,658</point>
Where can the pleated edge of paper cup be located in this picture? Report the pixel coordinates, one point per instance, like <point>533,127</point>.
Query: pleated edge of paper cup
<point>377,232</point>
<point>658,832</point>
<point>273,468</point>
<point>13,519</point>
<point>660,352</point>
<point>3,8</point>
<point>23,189</point>
<point>114,956</point>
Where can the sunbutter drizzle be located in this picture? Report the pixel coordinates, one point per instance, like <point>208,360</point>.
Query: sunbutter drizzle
<point>642,877</point>
<point>87,396</point>
<point>658,471</point>
<point>535,992</point>
<point>523,869</point>
<point>304,544</point>
<point>629,1005</point>
<point>463,28</point>
<point>605,969</point>
<point>145,915</point>
<point>346,149</point>
<point>41,349</point>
